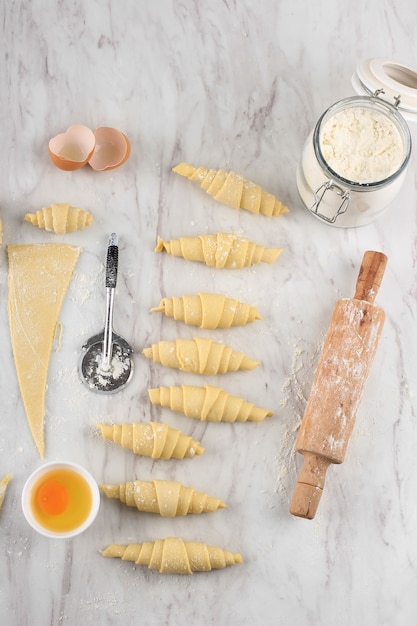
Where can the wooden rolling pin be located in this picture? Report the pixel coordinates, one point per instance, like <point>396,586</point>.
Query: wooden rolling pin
<point>338,384</point>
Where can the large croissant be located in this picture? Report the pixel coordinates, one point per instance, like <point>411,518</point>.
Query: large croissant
<point>199,356</point>
<point>174,556</point>
<point>207,403</point>
<point>233,189</point>
<point>222,250</point>
<point>168,498</point>
<point>153,439</point>
<point>60,218</point>
<point>208,310</point>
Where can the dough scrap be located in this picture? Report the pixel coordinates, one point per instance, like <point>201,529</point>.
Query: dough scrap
<point>233,189</point>
<point>3,488</point>
<point>222,250</point>
<point>152,439</point>
<point>60,218</point>
<point>39,276</point>
<point>207,403</point>
<point>174,556</point>
<point>208,310</point>
<point>168,498</point>
<point>199,356</point>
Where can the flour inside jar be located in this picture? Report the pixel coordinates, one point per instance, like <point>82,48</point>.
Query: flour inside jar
<point>361,145</point>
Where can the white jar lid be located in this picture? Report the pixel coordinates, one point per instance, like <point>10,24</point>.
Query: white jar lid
<point>397,80</point>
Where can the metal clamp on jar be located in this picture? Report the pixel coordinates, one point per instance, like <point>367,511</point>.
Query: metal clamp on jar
<point>355,160</point>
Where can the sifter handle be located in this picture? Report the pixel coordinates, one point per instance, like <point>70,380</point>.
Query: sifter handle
<point>112,261</point>
<point>370,275</point>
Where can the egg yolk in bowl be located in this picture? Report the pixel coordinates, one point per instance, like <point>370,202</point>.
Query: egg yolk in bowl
<point>61,500</point>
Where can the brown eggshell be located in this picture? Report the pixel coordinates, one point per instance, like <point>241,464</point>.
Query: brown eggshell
<point>71,150</point>
<point>112,149</point>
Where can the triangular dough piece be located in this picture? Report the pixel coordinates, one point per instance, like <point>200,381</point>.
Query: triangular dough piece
<point>39,276</point>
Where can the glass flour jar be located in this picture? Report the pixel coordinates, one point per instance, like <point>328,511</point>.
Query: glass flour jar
<point>354,161</point>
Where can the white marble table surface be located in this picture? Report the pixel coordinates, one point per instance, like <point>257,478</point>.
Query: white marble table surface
<point>225,84</point>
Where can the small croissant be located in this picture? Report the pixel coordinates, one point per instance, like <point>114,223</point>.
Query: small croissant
<point>60,218</point>
<point>207,403</point>
<point>199,356</point>
<point>3,488</point>
<point>152,439</point>
<point>233,189</point>
<point>222,250</point>
<point>208,310</point>
<point>168,498</point>
<point>174,556</point>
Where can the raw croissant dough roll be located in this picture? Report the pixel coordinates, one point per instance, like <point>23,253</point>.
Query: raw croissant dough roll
<point>233,189</point>
<point>3,488</point>
<point>168,498</point>
<point>207,403</point>
<point>199,356</point>
<point>174,556</point>
<point>153,439</point>
<point>222,250</point>
<point>208,310</point>
<point>60,218</point>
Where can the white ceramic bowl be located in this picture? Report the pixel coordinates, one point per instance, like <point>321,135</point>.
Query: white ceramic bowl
<point>33,480</point>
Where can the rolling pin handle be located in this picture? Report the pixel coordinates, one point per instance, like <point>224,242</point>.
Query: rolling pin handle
<point>309,487</point>
<point>370,275</point>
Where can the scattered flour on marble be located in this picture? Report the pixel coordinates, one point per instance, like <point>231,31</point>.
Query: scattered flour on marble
<point>83,285</point>
<point>112,601</point>
<point>295,391</point>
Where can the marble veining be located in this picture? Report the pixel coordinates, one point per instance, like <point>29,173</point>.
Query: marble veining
<point>236,85</point>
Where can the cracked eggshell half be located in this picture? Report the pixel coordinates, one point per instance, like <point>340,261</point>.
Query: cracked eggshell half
<point>72,150</point>
<point>112,149</point>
